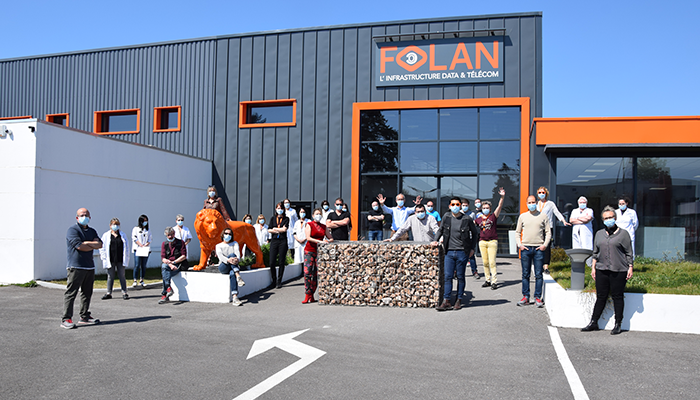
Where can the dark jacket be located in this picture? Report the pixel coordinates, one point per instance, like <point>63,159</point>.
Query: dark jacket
<point>469,233</point>
<point>173,250</point>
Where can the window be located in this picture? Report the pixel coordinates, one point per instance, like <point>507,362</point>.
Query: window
<point>166,119</point>
<point>117,121</point>
<point>22,117</point>
<point>60,119</point>
<point>268,113</point>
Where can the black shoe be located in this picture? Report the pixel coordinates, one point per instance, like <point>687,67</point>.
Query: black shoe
<point>617,329</point>
<point>445,306</point>
<point>494,286</point>
<point>279,285</point>
<point>107,296</point>
<point>592,326</point>
<point>125,296</point>
<point>486,284</point>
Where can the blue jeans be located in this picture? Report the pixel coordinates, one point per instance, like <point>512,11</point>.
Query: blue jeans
<point>226,268</point>
<point>167,274</point>
<point>526,259</point>
<point>375,235</point>
<point>455,260</point>
<point>472,263</point>
<point>140,266</point>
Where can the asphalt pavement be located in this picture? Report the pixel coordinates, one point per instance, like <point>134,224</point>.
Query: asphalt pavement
<point>491,349</point>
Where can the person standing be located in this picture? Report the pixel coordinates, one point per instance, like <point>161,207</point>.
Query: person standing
<point>278,244</point>
<point>430,210</point>
<point>214,202</point>
<point>627,219</point>
<point>229,255</point>
<point>472,215</point>
<point>339,221</point>
<point>293,218</point>
<point>375,226</point>
<point>115,257</point>
<point>611,269</point>
<point>315,233</point>
<point>81,240</point>
<point>488,239</point>
<point>459,236</point>
<point>326,206</point>
<point>173,254</point>
<point>299,233</point>
<point>582,221</point>
<point>181,231</point>
<point>546,206</point>
<point>532,237</point>
<point>423,226</point>
<point>141,238</point>
<point>399,214</point>
<point>261,231</point>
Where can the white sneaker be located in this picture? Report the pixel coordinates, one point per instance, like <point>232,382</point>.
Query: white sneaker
<point>135,284</point>
<point>240,281</point>
<point>236,301</point>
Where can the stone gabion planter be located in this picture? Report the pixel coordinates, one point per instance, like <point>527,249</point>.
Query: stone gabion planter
<point>399,274</point>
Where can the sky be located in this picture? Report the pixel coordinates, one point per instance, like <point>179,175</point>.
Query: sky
<point>600,58</point>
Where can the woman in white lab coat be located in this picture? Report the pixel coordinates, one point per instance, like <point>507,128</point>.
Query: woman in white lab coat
<point>626,218</point>
<point>582,220</point>
<point>293,218</point>
<point>261,231</point>
<point>299,233</point>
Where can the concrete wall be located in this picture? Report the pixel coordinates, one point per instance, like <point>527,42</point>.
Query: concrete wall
<point>50,173</point>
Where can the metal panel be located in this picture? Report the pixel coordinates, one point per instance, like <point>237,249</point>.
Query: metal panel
<point>231,154</point>
<point>308,114</point>
<point>324,151</point>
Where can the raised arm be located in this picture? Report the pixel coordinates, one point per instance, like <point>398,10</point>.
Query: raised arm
<point>497,212</point>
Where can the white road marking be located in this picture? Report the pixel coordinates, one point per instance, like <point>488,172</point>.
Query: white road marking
<point>306,354</point>
<point>577,388</point>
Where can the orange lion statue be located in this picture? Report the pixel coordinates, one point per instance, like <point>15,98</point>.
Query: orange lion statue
<point>209,224</point>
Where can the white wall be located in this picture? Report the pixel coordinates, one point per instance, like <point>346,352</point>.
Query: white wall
<point>110,178</point>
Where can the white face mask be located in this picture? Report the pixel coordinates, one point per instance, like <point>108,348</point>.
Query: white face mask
<point>212,193</point>
<point>317,217</point>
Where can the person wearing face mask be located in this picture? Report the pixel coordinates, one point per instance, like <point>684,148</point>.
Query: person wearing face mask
<point>279,225</point>
<point>229,254</point>
<point>299,233</point>
<point>326,207</point>
<point>173,257</point>
<point>214,202</point>
<point>399,214</point>
<point>488,239</point>
<point>477,208</point>
<point>472,215</point>
<point>115,256</point>
<point>375,224</point>
<point>293,218</point>
<point>546,206</point>
<point>533,235</point>
<point>181,231</point>
<point>459,241</point>
<point>81,240</point>
<point>430,210</point>
<point>423,226</point>
<point>339,221</point>
<point>582,221</point>
<point>626,218</point>
<point>611,269</point>
<point>316,233</point>
<point>261,231</point>
<point>141,244</point>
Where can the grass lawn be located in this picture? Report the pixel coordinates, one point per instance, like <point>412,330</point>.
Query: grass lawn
<point>152,276</point>
<point>649,276</point>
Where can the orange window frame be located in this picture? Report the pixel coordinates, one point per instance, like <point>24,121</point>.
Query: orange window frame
<point>97,121</point>
<point>245,105</point>
<point>20,117</point>
<point>157,113</point>
<point>50,117</point>
<point>357,108</point>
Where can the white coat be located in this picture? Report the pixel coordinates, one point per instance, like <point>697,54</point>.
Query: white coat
<point>299,233</point>
<point>104,250</point>
<point>293,218</point>
<point>183,234</point>
<point>582,234</point>
<point>262,234</point>
<point>627,221</point>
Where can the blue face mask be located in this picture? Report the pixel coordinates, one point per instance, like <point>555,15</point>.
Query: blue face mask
<point>227,238</point>
<point>212,194</point>
<point>262,222</point>
<point>286,205</point>
<point>170,239</point>
<point>399,203</point>
<point>454,209</point>
<point>248,221</point>
<point>623,207</point>
<point>582,206</point>
<point>477,205</point>
<point>280,211</point>
<point>429,209</point>
<point>420,215</point>
<point>541,195</point>
<point>375,208</point>
<point>83,220</point>
<point>302,215</point>
<point>486,211</point>
<point>609,222</point>
<point>179,223</point>
<point>145,223</point>
<point>115,227</point>
<point>325,207</point>
<point>465,209</point>
<point>338,207</point>
<point>532,207</point>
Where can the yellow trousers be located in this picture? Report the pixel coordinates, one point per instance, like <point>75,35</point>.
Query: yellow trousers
<point>488,249</point>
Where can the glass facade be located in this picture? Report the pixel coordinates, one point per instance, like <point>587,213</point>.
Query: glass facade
<point>664,191</point>
<point>440,153</point>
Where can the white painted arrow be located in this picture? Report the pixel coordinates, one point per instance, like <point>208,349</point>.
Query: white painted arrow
<point>286,342</point>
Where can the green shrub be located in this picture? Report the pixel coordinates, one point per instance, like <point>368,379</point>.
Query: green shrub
<point>558,254</point>
<point>266,256</point>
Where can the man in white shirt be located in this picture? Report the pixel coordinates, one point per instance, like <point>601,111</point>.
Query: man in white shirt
<point>399,214</point>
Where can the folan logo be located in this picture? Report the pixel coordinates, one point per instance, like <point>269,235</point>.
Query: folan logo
<point>412,57</point>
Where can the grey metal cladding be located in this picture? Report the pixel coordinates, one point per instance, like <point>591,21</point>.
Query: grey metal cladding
<point>179,74</point>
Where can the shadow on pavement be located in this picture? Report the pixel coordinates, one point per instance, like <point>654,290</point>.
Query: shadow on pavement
<point>138,319</point>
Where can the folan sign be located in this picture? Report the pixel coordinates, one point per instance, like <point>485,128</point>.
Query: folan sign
<point>439,62</point>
